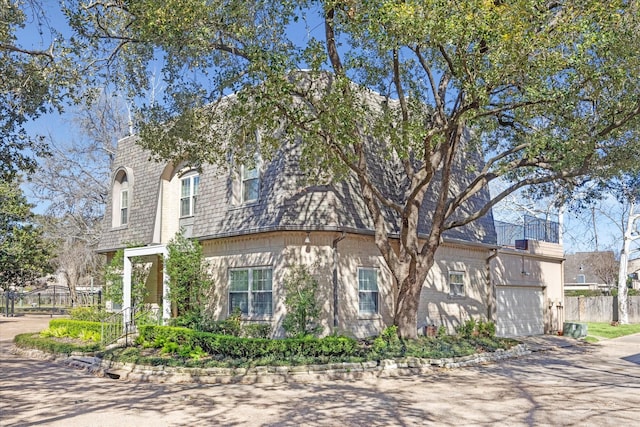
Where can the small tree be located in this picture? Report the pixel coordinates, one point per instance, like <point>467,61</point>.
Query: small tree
<point>189,283</point>
<point>25,254</point>
<point>301,301</point>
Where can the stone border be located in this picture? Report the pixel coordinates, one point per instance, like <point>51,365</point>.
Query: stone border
<point>272,374</point>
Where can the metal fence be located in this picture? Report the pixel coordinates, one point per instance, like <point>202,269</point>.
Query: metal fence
<point>531,228</point>
<point>52,296</point>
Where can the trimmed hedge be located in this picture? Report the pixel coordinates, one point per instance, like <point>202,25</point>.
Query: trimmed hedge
<point>50,345</point>
<point>247,348</point>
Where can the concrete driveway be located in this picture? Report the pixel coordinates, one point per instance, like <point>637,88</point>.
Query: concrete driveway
<point>581,385</point>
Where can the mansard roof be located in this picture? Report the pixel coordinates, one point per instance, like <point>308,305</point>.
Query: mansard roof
<point>286,202</point>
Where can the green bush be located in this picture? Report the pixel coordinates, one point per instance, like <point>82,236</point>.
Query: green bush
<point>256,330</point>
<point>476,328</point>
<point>388,343</point>
<point>90,314</point>
<point>232,325</point>
<point>228,346</point>
<point>583,293</point>
<point>301,301</point>
<point>75,327</point>
<point>630,292</point>
<point>51,345</point>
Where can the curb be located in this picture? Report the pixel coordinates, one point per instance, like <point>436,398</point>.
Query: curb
<point>410,366</point>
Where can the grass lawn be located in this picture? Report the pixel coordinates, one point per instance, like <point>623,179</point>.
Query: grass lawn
<point>605,330</point>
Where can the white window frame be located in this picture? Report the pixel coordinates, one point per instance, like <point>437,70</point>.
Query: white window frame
<point>248,175</point>
<point>193,178</point>
<point>252,291</point>
<point>124,206</point>
<point>581,278</point>
<point>362,290</point>
<point>121,199</point>
<point>457,288</point>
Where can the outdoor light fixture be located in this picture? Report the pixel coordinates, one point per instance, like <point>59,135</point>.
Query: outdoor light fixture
<point>307,239</point>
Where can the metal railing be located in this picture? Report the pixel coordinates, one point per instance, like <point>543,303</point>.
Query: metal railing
<point>115,328</point>
<point>531,228</point>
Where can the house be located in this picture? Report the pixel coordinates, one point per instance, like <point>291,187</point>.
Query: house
<point>596,271</point>
<point>256,222</point>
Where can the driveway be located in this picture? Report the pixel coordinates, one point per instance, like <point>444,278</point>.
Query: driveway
<point>592,385</point>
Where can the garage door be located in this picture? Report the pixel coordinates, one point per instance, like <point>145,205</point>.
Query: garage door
<point>519,311</point>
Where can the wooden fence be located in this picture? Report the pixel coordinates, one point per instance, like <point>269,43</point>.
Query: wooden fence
<point>599,309</point>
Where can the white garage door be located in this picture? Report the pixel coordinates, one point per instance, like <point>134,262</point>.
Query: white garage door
<point>519,311</point>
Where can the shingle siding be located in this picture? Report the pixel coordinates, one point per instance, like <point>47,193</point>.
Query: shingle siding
<point>143,199</point>
<point>286,202</point>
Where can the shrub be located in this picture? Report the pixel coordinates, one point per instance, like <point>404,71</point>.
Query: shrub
<point>476,328</point>
<point>86,335</point>
<point>90,314</point>
<point>56,332</point>
<point>190,285</point>
<point>301,300</point>
<point>466,329</point>
<point>75,327</point>
<point>228,346</point>
<point>630,292</point>
<point>256,330</point>
<point>388,342</point>
<point>52,345</point>
<point>583,293</point>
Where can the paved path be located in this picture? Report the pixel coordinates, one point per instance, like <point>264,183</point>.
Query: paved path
<point>579,385</point>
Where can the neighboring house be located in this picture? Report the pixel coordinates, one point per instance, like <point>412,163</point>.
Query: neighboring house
<point>633,269</point>
<point>591,271</point>
<point>256,223</point>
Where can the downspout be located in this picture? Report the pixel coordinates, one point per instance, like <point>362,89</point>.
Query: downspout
<point>334,247</point>
<point>491,305</point>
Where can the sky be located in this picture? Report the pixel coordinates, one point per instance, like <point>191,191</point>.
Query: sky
<point>580,231</point>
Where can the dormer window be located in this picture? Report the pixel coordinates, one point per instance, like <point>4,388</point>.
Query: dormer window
<point>124,205</point>
<point>250,178</point>
<point>188,194</point>
<point>121,196</point>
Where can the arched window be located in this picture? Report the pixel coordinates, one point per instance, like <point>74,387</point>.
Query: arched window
<point>121,199</point>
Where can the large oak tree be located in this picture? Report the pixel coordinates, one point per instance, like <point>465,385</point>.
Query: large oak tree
<point>547,92</point>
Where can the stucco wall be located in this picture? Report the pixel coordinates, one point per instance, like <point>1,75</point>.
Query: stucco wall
<point>437,306</point>
<point>283,250</point>
<point>538,267</point>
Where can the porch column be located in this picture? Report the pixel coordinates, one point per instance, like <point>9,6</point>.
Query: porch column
<point>126,289</point>
<point>166,302</point>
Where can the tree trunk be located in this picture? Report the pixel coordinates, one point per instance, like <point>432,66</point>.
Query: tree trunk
<point>408,298</point>
<point>628,237</point>
<point>72,281</point>
<point>406,314</point>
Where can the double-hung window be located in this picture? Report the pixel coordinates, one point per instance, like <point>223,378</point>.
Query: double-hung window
<point>456,283</point>
<point>124,206</point>
<point>368,291</point>
<point>121,195</point>
<point>188,194</point>
<point>250,290</point>
<point>250,178</point>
